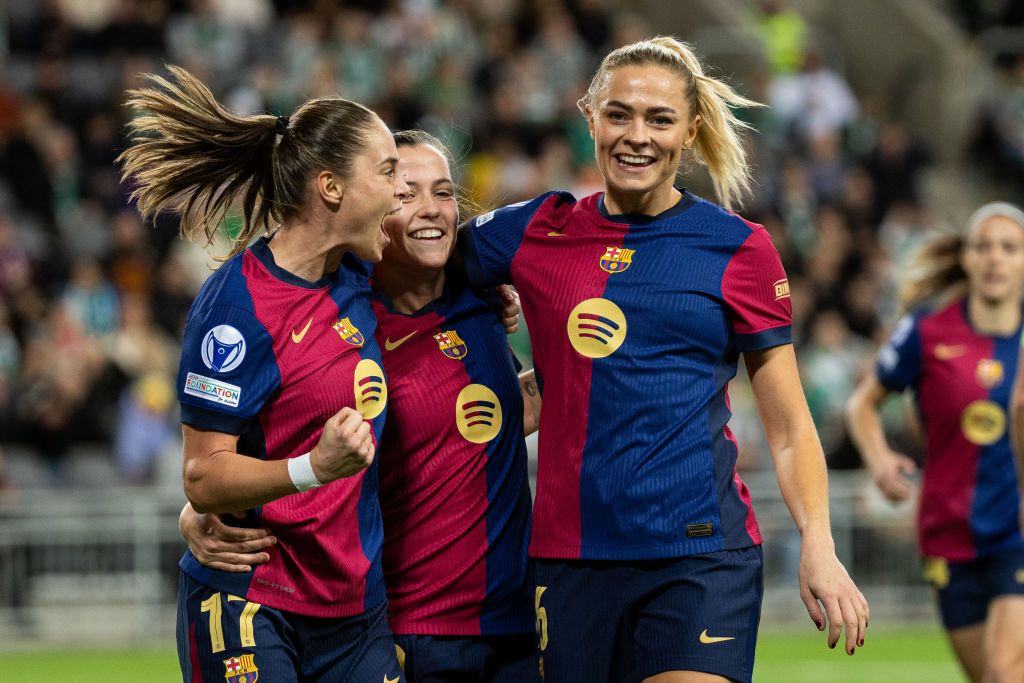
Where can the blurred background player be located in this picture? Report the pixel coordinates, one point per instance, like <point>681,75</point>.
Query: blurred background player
<point>957,349</point>
<point>454,487</point>
<point>280,376</point>
<point>639,301</point>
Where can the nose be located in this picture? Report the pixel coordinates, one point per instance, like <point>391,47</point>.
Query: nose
<point>637,134</point>
<point>429,208</point>
<point>401,187</point>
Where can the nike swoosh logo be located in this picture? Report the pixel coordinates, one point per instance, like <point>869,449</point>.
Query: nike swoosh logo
<point>555,233</point>
<point>707,640</point>
<point>298,337</point>
<point>949,351</point>
<point>392,345</point>
<point>390,680</point>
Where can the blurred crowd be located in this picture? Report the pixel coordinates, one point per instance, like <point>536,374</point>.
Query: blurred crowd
<point>92,300</point>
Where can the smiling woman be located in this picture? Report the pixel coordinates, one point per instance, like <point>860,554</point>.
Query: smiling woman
<point>647,549</point>
<point>958,348</point>
<point>280,382</point>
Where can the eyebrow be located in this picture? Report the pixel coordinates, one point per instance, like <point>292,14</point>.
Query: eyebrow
<point>390,161</point>
<point>439,181</point>
<point>650,110</point>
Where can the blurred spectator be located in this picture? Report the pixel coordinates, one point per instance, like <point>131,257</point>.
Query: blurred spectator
<point>146,427</point>
<point>784,34</point>
<point>813,102</point>
<point>92,300</point>
<point>895,165</point>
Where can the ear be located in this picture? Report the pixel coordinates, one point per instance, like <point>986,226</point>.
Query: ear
<point>330,188</point>
<point>691,133</point>
<point>588,113</point>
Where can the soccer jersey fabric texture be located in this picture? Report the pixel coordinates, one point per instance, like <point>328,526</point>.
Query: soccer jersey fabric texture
<point>637,323</point>
<point>454,485</point>
<point>270,357</point>
<point>969,503</point>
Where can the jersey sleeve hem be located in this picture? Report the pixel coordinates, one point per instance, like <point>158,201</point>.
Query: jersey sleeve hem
<point>765,339</point>
<point>214,420</point>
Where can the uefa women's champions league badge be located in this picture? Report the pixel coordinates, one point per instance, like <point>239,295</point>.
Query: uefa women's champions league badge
<point>223,349</point>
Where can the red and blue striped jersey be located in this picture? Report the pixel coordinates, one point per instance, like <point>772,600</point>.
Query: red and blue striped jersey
<point>637,323</point>
<point>454,486</point>
<point>270,357</point>
<point>962,381</point>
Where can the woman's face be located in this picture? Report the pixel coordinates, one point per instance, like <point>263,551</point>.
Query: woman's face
<point>423,233</point>
<point>641,123</point>
<point>371,194</point>
<point>993,259</point>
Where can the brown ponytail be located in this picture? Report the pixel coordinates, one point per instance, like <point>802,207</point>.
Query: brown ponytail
<point>194,157</point>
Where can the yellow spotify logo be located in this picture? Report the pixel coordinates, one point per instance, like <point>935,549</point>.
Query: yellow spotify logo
<point>478,413</point>
<point>983,422</point>
<point>596,327</point>
<point>370,389</point>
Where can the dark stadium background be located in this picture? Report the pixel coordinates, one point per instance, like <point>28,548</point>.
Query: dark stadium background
<point>890,122</point>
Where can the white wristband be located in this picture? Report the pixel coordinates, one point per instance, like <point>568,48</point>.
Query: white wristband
<point>300,470</point>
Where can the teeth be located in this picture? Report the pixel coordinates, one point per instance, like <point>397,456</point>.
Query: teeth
<point>632,159</point>
<point>426,234</point>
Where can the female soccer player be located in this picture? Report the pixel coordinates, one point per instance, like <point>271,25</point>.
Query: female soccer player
<point>281,388</point>
<point>454,488</point>
<point>639,301</point>
<point>957,349</point>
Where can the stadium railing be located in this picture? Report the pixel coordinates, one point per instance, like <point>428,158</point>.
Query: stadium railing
<point>99,566</point>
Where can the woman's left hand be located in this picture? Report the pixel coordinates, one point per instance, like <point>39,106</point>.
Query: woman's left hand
<point>220,546</point>
<point>828,592</point>
<point>511,310</point>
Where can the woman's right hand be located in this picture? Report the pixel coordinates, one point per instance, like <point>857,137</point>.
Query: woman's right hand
<point>891,473</point>
<point>220,546</point>
<point>345,447</point>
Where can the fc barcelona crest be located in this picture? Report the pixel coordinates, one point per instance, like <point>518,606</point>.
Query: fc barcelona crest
<point>241,669</point>
<point>989,373</point>
<point>616,259</point>
<point>349,332</point>
<point>451,345</point>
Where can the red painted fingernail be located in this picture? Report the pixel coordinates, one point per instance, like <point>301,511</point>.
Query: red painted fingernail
<point>860,642</point>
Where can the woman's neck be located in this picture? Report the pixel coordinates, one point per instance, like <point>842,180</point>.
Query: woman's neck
<point>994,318</point>
<point>305,252</point>
<point>409,288</point>
<point>647,203</point>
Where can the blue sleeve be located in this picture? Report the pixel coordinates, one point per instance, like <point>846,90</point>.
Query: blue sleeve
<point>899,361</point>
<point>490,241</point>
<point>228,370</point>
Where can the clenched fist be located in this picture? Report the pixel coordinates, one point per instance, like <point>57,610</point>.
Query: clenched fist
<point>345,447</point>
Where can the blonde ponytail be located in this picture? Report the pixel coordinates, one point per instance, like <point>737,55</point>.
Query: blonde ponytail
<point>934,272</point>
<point>718,145</point>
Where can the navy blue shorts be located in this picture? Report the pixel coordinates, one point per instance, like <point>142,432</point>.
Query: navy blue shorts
<point>965,589</point>
<point>622,622</point>
<point>226,639</point>
<point>468,659</point>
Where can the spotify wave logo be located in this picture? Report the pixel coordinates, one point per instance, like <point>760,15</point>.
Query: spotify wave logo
<point>596,328</point>
<point>478,413</point>
<point>370,389</point>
